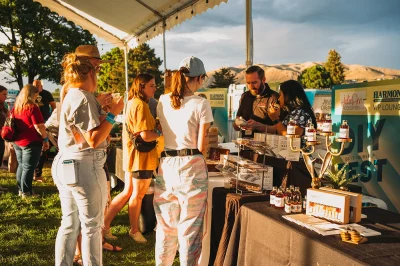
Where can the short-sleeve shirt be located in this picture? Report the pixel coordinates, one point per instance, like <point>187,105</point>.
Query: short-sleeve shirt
<point>138,119</point>
<point>80,113</point>
<point>24,123</point>
<point>43,101</point>
<point>299,116</point>
<point>181,126</point>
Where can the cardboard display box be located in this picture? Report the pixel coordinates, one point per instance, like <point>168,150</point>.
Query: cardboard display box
<point>328,205</point>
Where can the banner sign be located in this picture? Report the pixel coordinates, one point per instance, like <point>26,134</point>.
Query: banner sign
<point>217,97</point>
<point>372,111</point>
<point>383,100</point>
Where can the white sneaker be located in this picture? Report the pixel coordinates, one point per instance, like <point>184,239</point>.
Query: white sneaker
<point>138,237</point>
<point>107,234</point>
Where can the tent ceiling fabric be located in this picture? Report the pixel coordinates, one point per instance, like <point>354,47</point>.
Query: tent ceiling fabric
<point>139,19</point>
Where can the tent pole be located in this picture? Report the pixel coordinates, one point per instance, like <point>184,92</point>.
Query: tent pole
<point>249,34</point>
<point>126,72</point>
<point>165,51</point>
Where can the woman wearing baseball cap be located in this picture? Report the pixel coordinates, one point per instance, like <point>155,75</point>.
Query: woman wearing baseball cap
<point>182,181</point>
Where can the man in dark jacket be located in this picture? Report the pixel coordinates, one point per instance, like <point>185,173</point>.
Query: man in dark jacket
<point>254,104</point>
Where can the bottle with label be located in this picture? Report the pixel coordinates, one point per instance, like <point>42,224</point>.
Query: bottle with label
<point>311,134</point>
<point>305,203</point>
<point>291,189</point>
<point>309,122</point>
<point>320,121</point>
<point>291,127</point>
<point>279,199</point>
<point>288,200</point>
<point>272,196</point>
<point>298,199</point>
<point>344,130</point>
<point>327,124</point>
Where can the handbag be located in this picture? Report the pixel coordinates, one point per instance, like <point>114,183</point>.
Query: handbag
<point>139,143</point>
<point>8,130</point>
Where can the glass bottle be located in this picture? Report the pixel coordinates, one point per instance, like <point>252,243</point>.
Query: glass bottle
<point>272,196</point>
<point>279,199</point>
<point>305,203</point>
<point>327,124</point>
<point>291,127</point>
<point>298,199</point>
<point>319,119</point>
<point>344,130</point>
<point>288,200</point>
<point>311,134</point>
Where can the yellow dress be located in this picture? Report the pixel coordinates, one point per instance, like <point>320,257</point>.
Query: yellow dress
<point>138,118</point>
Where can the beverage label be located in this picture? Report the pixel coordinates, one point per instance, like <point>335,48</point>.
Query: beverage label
<point>327,127</point>
<point>272,200</point>
<point>291,130</point>
<point>319,125</point>
<point>279,202</point>
<point>298,207</point>
<point>344,133</point>
<point>311,136</point>
<point>293,208</point>
<point>288,208</point>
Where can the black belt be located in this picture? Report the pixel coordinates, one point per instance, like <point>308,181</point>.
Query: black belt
<point>183,152</point>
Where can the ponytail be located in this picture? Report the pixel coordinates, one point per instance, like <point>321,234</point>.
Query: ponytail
<point>178,87</point>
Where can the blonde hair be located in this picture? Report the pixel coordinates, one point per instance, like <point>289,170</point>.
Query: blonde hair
<point>136,90</point>
<point>25,99</point>
<point>76,69</point>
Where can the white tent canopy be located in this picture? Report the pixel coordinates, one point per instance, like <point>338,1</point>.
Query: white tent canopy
<point>139,19</point>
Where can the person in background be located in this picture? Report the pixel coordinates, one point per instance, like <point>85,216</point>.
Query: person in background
<point>138,166</point>
<point>77,169</point>
<point>46,104</point>
<point>293,100</point>
<point>30,139</point>
<point>181,185</point>
<point>3,117</point>
<point>254,103</point>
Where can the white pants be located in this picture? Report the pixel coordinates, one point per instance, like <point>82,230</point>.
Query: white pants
<point>180,202</point>
<point>82,207</point>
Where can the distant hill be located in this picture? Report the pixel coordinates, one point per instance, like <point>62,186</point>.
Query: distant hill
<point>280,73</point>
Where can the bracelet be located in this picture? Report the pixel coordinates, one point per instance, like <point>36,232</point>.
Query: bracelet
<point>46,139</point>
<point>111,115</point>
<point>276,121</point>
<point>158,132</point>
<point>110,120</point>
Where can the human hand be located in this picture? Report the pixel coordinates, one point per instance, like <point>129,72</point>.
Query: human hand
<point>274,111</point>
<point>117,106</point>
<point>105,98</point>
<point>46,146</point>
<point>252,124</point>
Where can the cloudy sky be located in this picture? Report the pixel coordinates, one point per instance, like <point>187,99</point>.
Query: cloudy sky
<point>365,32</point>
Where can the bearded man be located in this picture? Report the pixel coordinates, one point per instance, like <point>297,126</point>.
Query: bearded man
<point>254,104</point>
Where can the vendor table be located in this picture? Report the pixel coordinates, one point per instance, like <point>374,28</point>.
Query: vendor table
<point>261,236</point>
<point>225,207</point>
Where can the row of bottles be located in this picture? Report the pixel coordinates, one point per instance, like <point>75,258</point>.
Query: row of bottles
<point>290,199</point>
<point>311,132</point>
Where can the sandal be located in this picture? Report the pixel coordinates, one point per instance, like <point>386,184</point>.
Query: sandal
<point>113,248</point>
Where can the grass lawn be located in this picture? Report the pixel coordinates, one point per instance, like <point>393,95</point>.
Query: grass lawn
<point>28,228</point>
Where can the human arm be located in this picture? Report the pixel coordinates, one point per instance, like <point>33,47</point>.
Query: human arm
<point>203,140</point>
<point>38,123</point>
<point>274,113</point>
<point>98,134</point>
<point>53,105</point>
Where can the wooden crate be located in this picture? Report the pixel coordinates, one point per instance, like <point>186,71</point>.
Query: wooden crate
<point>355,203</point>
<point>328,205</point>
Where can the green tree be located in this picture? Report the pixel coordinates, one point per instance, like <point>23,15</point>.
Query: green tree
<point>141,59</point>
<point>315,77</point>
<point>335,67</point>
<point>37,40</point>
<point>223,78</point>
